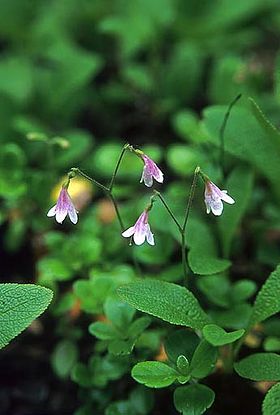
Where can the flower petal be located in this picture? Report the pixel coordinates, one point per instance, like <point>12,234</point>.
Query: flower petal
<point>226,198</point>
<point>158,175</point>
<point>217,207</point>
<point>72,213</point>
<point>149,236</point>
<point>208,208</point>
<point>139,235</point>
<point>52,211</point>
<point>146,177</point>
<point>60,215</point>
<point>129,232</point>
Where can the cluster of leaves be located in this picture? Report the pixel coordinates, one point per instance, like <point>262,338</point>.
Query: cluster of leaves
<point>74,81</point>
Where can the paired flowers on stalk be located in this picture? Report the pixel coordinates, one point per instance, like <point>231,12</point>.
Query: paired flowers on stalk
<point>141,231</point>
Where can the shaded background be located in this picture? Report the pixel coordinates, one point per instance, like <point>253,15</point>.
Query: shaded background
<point>77,80</point>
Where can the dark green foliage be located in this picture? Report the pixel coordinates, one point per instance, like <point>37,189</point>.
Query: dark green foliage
<point>77,81</point>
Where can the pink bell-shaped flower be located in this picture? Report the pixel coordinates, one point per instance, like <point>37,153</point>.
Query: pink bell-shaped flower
<point>63,208</point>
<point>140,231</point>
<point>214,198</point>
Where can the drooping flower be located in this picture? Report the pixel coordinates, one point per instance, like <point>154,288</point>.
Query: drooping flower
<point>141,230</point>
<point>214,198</point>
<point>63,207</point>
<point>150,171</point>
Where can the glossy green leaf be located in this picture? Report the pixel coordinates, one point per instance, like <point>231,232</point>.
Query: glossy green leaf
<point>259,366</point>
<point>183,365</point>
<point>217,336</point>
<point>193,399</point>
<point>154,374</point>
<point>165,300</point>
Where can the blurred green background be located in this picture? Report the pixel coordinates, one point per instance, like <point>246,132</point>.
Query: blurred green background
<point>78,79</point>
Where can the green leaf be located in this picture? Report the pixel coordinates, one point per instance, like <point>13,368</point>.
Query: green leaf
<point>81,375</point>
<point>16,78</point>
<point>119,408</point>
<point>102,331</point>
<point>20,304</point>
<point>64,357</point>
<point>237,317</point>
<point>239,185</point>
<point>165,300</point>
<point>193,399</point>
<point>259,366</point>
<point>120,347</point>
<point>267,302</point>
<point>138,326</point>
<point>219,290</point>
<point>272,344</point>
<point>181,342</point>
<point>260,148</point>
<point>183,365</point>
<point>216,288</point>
<point>203,254</point>
<point>242,290</point>
<point>217,336</point>
<point>271,401</point>
<point>142,400</point>
<point>183,159</point>
<point>53,269</point>
<point>154,374</point>
<point>204,359</point>
<point>118,312</point>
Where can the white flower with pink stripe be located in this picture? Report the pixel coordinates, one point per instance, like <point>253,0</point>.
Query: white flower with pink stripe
<point>214,198</point>
<point>141,231</point>
<point>63,208</point>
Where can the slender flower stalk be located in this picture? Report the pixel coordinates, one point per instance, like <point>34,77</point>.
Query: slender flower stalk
<point>108,190</point>
<point>182,228</point>
<point>165,204</point>
<point>111,185</point>
<point>222,133</point>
